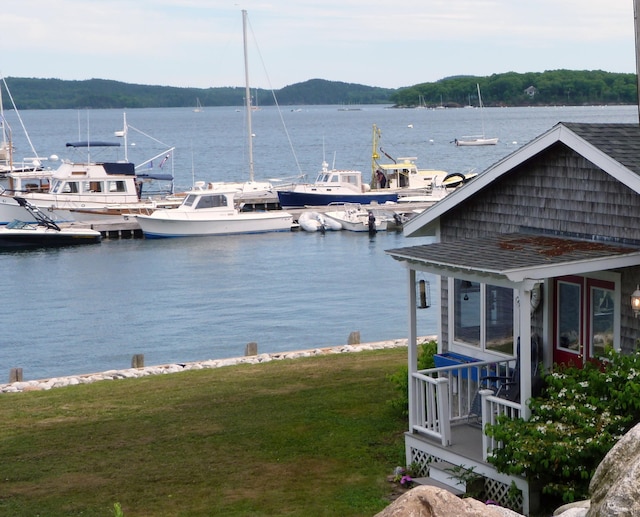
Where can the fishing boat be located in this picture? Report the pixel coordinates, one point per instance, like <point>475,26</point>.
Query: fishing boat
<point>90,190</point>
<point>477,139</point>
<point>43,232</point>
<point>212,210</point>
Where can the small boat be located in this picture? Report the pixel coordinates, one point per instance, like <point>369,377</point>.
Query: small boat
<point>208,212</point>
<point>478,139</point>
<point>43,233</point>
<point>198,107</point>
<point>355,218</point>
<point>317,222</point>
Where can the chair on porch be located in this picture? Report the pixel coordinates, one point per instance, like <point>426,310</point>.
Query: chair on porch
<point>503,386</point>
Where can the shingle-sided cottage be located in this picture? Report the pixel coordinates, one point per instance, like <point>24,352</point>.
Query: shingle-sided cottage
<point>536,259</point>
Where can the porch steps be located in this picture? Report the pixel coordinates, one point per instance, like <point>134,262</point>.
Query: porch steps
<point>441,476</point>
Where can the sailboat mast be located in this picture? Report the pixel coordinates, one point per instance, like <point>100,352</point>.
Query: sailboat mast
<point>247,93</point>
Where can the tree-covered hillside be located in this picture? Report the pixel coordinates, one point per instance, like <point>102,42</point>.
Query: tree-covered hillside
<point>556,87</point>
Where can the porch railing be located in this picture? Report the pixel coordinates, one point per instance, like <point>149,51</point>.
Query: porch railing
<point>452,394</point>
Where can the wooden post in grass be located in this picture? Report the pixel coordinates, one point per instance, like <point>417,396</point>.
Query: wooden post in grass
<point>354,338</point>
<point>251,349</point>
<point>15,375</point>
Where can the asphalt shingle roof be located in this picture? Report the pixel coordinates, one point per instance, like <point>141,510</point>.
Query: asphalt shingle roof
<point>620,141</point>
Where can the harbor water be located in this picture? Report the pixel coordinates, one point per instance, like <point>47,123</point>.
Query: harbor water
<point>87,309</point>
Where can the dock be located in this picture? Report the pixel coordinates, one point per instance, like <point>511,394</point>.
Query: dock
<point>130,229</point>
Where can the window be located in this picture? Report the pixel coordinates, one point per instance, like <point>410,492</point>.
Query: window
<point>483,316</point>
<point>211,202</point>
<point>117,186</point>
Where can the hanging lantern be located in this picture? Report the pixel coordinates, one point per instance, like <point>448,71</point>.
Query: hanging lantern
<point>424,294</point>
<point>635,301</point>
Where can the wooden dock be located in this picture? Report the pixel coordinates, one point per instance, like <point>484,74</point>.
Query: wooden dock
<point>130,229</point>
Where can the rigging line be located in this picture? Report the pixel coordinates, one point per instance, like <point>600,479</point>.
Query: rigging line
<point>275,100</point>
<point>24,129</point>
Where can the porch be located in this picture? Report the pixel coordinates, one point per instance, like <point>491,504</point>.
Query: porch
<point>449,408</point>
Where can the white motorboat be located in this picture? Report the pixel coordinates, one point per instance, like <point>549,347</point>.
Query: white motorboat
<point>43,233</point>
<point>211,211</point>
<point>316,222</point>
<point>88,190</point>
<point>355,218</point>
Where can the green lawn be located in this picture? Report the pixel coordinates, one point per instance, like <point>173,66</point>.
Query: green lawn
<point>307,437</point>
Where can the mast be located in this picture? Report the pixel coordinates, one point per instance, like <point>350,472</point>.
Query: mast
<point>637,34</point>
<point>247,93</point>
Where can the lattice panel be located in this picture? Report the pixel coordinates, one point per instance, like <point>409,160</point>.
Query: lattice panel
<point>502,494</point>
<point>422,460</point>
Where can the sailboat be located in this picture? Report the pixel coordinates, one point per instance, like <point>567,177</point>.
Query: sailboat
<point>478,139</point>
<point>210,209</point>
<point>198,107</point>
<point>7,163</point>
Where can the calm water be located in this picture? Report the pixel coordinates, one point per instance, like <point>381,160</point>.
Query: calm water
<point>80,310</point>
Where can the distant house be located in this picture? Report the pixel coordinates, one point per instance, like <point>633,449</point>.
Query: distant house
<point>531,91</point>
<point>536,260</point>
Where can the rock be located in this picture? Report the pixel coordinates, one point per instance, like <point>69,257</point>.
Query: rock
<point>575,509</point>
<point>429,501</point>
<point>614,489</point>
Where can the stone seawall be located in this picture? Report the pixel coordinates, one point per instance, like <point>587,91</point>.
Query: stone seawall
<point>132,373</point>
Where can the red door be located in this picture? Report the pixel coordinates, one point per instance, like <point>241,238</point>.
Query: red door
<point>583,319</point>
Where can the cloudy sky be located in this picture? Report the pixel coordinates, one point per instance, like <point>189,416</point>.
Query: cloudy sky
<point>198,43</point>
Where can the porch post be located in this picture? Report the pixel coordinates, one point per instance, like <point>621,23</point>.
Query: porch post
<point>412,345</point>
<point>525,346</point>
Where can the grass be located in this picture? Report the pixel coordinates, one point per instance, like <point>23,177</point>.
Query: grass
<point>304,437</point>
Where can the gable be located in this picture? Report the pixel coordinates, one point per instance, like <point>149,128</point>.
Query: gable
<point>612,148</point>
<point>558,191</point>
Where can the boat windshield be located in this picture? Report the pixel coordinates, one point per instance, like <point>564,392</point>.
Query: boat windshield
<point>21,225</point>
<point>212,201</point>
<point>323,178</point>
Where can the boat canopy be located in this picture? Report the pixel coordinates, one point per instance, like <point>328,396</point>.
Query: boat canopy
<point>125,168</point>
<point>97,143</point>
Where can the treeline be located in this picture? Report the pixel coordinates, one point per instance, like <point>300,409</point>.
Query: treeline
<point>30,93</point>
<point>556,87</point>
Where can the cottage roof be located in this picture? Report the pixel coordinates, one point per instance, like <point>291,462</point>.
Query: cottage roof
<point>518,256</point>
<point>614,148</point>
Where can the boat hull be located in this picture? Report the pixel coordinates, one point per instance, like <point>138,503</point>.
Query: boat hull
<point>293,199</point>
<point>167,225</point>
<point>27,239</point>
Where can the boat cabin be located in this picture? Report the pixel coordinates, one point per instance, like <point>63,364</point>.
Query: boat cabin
<point>534,261</point>
<point>345,180</point>
<point>405,175</point>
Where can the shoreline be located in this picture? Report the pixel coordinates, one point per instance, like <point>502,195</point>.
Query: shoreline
<point>133,373</point>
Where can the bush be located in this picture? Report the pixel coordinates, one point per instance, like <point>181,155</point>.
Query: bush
<point>579,417</point>
<point>400,379</point>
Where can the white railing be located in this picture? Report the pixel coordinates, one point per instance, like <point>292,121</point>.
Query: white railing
<point>493,408</point>
<point>449,394</point>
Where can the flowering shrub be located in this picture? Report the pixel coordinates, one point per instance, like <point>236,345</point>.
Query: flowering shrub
<point>579,417</point>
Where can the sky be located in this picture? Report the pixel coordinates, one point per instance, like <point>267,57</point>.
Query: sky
<point>385,43</point>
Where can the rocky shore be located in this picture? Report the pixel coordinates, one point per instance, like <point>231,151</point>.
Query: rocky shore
<point>132,373</point>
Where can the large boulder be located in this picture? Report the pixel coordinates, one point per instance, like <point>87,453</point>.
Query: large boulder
<point>614,488</point>
<point>429,501</point>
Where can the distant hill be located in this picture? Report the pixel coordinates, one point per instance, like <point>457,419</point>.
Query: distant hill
<point>554,87</point>
<point>31,93</point>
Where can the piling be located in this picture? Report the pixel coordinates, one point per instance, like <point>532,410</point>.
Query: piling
<point>251,349</point>
<point>137,361</point>
<point>354,338</point>
<point>15,375</point>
